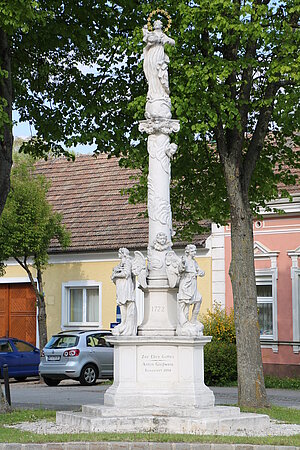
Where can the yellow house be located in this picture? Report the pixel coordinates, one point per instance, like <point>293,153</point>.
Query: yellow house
<point>78,290</point>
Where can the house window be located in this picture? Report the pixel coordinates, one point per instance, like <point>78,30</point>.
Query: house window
<point>81,304</point>
<point>265,307</point>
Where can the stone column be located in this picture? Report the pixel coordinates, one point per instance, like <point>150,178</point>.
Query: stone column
<point>159,208</point>
<point>160,301</point>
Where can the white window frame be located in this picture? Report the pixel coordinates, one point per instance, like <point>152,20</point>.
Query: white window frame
<point>65,296</point>
<point>263,277</point>
<point>295,276</point>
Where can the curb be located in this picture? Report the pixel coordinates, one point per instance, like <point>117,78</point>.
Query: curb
<point>140,446</point>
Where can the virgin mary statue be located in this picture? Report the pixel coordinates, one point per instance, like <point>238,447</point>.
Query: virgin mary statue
<point>156,61</point>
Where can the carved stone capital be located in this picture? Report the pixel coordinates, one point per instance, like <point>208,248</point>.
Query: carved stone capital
<point>155,126</point>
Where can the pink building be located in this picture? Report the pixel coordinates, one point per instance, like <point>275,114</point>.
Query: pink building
<point>277,268</point>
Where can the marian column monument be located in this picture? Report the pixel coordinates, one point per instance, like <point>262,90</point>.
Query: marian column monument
<point>162,364</point>
<point>159,366</point>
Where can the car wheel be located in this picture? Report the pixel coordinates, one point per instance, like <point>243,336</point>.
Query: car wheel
<point>89,375</point>
<point>20,378</point>
<point>51,381</point>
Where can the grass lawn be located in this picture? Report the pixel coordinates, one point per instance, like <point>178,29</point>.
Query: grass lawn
<point>13,435</point>
<point>282,383</point>
<point>271,382</point>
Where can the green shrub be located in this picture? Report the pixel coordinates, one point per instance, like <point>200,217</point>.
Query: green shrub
<point>219,324</point>
<point>220,367</point>
<point>220,360</point>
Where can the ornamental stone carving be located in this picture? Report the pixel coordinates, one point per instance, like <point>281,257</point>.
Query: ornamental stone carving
<point>159,209</point>
<point>157,251</point>
<point>159,126</point>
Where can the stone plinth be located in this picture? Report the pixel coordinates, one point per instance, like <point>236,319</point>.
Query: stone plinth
<point>159,372</point>
<point>159,387</point>
<point>160,312</point>
<point>218,420</point>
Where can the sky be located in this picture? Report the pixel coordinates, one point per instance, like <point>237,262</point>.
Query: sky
<point>25,130</point>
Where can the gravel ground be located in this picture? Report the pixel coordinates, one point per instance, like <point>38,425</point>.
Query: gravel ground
<point>276,428</point>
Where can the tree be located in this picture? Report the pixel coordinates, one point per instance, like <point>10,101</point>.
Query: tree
<point>234,76</point>
<point>47,50</point>
<point>27,226</point>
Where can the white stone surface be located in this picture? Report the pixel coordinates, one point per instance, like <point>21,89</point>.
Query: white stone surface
<point>189,298</point>
<point>218,420</point>
<point>161,371</point>
<point>124,280</point>
<point>273,428</point>
<point>160,312</point>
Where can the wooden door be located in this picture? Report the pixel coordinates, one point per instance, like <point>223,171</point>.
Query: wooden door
<point>18,311</point>
<point>4,322</point>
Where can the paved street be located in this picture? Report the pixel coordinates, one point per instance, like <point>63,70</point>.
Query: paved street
<point>70,395</point>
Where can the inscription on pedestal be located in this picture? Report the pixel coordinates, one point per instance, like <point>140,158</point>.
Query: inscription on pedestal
<point>157,309</point>
<point>157,363</point>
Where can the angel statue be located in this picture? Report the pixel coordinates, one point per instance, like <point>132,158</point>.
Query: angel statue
<point>156,61</point>
<point>124,280</point>
<point>172,268</point>
<point>139,268</point>
<point>188,295</point>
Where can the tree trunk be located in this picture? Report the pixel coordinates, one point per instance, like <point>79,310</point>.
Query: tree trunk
<point>6,137</point>
<point>42,316</point>
<point>251,387</point>
<point>40,300</point>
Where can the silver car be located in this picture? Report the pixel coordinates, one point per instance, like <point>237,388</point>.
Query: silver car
<point>80,355</point>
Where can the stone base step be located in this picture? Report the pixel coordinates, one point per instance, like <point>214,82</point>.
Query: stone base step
<point>218,420</point>
<point>111,411</point>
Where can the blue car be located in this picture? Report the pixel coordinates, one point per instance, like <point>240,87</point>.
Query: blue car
<point>21,358</point>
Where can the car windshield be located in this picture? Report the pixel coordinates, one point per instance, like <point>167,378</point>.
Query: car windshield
<point>65,341</point>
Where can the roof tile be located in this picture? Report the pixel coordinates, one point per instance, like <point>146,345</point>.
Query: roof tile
<point>87,193</point>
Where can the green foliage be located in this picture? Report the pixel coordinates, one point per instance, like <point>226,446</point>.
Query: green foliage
<point>220,363</point>
<point>28,222</point>
<point>220,357</point>
<point>18,14</point>
<point>219,324</point>
<point>273,382</point>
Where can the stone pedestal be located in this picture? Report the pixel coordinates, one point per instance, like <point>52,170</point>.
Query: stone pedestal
<point>164,372</point>
<point>160,312</point>
<point>159,388</point>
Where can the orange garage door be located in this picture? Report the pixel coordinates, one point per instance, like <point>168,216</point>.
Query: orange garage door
<point>18,311</point>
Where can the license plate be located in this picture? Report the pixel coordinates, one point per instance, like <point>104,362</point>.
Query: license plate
<point>53,358</point>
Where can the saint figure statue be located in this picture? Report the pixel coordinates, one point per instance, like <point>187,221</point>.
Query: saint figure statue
<point>188,294</point>
<point>124,280</point>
